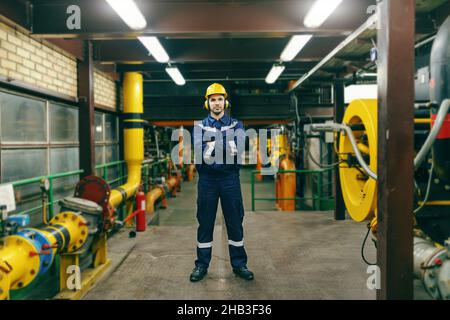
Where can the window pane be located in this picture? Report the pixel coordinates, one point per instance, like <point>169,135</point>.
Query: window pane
<point>98,155</point>
<point>98,127</point>
<point>111,153</point>
<point>24,113</point>
<point>64,160</point>
<point>64,124</point>
<point>110,128</point>
<point>24,164</point>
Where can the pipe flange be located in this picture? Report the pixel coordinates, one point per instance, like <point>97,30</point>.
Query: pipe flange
<point>4,280</point>
<point>39,239</point>
<point>26,267</point>
<point>76,228</point>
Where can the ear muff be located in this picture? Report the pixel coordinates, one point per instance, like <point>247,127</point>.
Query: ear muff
<point>227,104</point>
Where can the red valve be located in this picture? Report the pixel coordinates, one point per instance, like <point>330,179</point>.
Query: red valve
<point>33,254</point>
<point>438,262</point>
<point>46,246</point>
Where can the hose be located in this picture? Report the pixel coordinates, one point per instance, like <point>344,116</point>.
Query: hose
<point>342,127</point>
<point>420,157</point>
<point>442,114</point>
<point>364,245</point>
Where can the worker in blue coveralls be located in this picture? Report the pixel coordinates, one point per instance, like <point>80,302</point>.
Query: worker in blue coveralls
<point>219,179</point>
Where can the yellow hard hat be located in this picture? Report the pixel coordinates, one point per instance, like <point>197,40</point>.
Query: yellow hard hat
<point>216,88</point>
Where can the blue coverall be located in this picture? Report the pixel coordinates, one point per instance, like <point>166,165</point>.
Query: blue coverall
<point>220,180</point>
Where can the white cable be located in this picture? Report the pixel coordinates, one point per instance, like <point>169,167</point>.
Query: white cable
<point>440,118</point>
<point>335,127</point>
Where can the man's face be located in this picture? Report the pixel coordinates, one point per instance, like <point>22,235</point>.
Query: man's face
<point>216,103</point>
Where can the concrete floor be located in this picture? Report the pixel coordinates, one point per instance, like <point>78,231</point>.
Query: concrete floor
<point>294,255</point>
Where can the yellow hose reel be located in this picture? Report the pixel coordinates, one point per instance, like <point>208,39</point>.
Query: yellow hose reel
<point>360,191</point>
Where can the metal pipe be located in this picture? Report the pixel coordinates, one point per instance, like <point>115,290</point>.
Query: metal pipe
<point>432,266</point>
<point>335,127</point>
<point>153,196</point>
<point>30,253</point>
<point>173,183</point>
<point>133,137</point>
<point>440,118</point>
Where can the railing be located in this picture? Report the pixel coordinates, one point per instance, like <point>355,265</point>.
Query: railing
<point>317,185</point>
<point>149,169</point>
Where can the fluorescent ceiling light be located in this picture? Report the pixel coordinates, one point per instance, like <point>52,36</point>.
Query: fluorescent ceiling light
<point>176,75</point>
<point>129,12</point>
<point>320,11</point>
<point>156,49</point>
<point>294,46</point>
<point>274,73</point>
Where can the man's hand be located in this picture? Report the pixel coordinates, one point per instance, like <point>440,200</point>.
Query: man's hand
<point>233,148</point>
<point>209,149</point>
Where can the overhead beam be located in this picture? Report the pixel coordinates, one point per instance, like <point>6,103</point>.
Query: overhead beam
<point>213,50</point>
<point>297,66</point>
<point>99,21</point>
<point>231,70</point>
<point>395,149</point>
<point>352,37</point>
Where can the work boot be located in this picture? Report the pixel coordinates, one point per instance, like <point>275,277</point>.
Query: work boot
<point>244,273</point>
<point>198,274</point>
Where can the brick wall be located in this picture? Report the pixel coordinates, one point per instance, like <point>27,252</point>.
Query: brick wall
<point>104,90</point>
<point>36,62</point>
<point>44,65</point>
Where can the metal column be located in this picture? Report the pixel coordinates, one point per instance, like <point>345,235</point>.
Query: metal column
<point>86,110</point>
<point>339,109</point>
<point>395,148</point>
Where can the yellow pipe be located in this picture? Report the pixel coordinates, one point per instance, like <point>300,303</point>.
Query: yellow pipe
<point>19,258</point>
<point>17,265</point>
<point>422,121</point>
<point>190,170</point>
<point>133,137</point>
<point>435,203</point>
<point>172,183</point>
<point>76,227</point>
<point>151,198</point>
